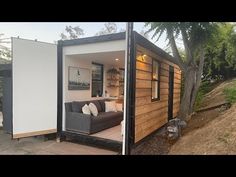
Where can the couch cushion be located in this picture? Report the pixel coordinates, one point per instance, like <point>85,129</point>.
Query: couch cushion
<point>77,106</point>
<point>68,107</point>
<point>109,115</point>
<point>97,104</point>
<point>102,103</point>
<point>105,120</point>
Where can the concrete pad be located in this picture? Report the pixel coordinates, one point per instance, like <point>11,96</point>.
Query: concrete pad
<point>38,146</point>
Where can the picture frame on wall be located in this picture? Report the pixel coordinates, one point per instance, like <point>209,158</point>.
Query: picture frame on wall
<point>78,78</point>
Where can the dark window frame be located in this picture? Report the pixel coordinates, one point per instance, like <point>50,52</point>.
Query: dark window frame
<point>102,79</point>
<point>156,80</point>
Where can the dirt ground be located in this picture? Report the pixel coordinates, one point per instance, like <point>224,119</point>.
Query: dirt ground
<point>208,132</point>
<point>216,137</point>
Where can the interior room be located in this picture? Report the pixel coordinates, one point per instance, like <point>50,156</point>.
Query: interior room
<point>94,94</point>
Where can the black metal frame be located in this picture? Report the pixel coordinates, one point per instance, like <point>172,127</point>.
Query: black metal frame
<point>59,87</point>
<point>102,79</point>
<point>130,97</point>
<point>158,80</point>
<point>96,141</point>
<point>92,140</point>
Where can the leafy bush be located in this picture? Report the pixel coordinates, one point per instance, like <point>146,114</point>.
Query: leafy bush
<point>230,93</point>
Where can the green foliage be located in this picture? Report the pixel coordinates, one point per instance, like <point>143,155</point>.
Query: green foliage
<point>230,93</point>
<point>197,32</point>
<point>220,57</point>
<point>109,28</point>
<point>4,51</point>
<point>204,88</point>
<point>72,33</point>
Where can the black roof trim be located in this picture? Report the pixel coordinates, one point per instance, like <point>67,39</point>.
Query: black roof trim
<point>152,47</point>
<point>119,36</point>
<point>94,39</point>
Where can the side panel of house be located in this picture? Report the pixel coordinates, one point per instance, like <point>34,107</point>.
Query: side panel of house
<point>177,90</point>
<point>34,77</point>
<point>151,115</point>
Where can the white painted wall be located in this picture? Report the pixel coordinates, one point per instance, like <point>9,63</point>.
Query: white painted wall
<point>109,46</point>
<point>73,95</point>
<point>34,86</point>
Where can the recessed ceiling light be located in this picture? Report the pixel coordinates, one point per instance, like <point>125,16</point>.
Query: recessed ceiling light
<point>117,59</point>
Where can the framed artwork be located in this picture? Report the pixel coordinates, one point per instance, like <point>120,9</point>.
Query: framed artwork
<point>78,78</point>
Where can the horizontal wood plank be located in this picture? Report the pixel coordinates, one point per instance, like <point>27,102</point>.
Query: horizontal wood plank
<point>164,73</point>
<point>145,59</point>
<point>143,83</point>
<point>143,75</point>
<point>164,91</point>
<point>143,66</point>
<point>150,107</point>
<point>164,79</point>
<point>143,100</point>
<point>143,92</point>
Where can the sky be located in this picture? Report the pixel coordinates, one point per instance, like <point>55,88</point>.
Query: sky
<point>50,31</point>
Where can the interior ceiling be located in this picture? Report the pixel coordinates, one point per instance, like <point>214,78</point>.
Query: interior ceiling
<point>107,58</point>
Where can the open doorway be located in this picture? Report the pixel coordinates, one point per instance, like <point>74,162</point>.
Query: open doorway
<point>93,91</point>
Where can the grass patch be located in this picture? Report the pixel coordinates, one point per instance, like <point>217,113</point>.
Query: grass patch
<point>204,88</point>
<point>230,93</point>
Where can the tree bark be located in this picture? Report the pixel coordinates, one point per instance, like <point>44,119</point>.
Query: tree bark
<point>189,83</point>
<point>198,80</point>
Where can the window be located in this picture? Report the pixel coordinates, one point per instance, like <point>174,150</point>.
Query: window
<point>97,79</point>
<point>121,81</point>
<point>155,80</point>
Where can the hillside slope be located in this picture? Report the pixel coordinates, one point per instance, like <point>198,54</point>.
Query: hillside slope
<point>218,135</point>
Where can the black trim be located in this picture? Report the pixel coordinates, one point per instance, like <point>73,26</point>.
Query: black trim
<point>102,79</point>
<point>59,87</point>
<point>142,41</point>
<point>92,141</point>
<point>95,39</point>
<point>154,80</point>
<point>130,90</point>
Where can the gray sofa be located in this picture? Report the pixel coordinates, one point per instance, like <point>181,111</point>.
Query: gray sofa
<point>89,124</point>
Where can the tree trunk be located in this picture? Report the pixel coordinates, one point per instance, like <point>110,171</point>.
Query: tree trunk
<point>198,80</point>
<point>189,83</point>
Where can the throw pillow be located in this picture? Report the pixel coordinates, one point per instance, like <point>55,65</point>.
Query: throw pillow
<point>86,110</point>
<point>119,107</point>
<point>110,106</point>
<point>93,109</point>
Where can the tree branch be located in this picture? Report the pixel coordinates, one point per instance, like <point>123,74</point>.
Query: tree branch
<point>187,46</point>
<point>176,54</point>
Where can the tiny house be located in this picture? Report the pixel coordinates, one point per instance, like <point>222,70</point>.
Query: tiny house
<point>50,87</point>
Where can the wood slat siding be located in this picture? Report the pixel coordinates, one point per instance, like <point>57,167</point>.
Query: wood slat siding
<point>143,66</point>
<point>143,75</point>
<point>177,90</point>
<point>149,116</point>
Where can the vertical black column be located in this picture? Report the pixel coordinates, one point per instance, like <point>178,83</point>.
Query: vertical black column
<point>129,135</point>
<point>59,87</point>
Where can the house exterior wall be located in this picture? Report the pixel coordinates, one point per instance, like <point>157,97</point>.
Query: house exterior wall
<point>151,115</point>
<point>34,78</point>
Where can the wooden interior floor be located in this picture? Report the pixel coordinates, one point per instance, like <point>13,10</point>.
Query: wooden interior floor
<point>113,133</point>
